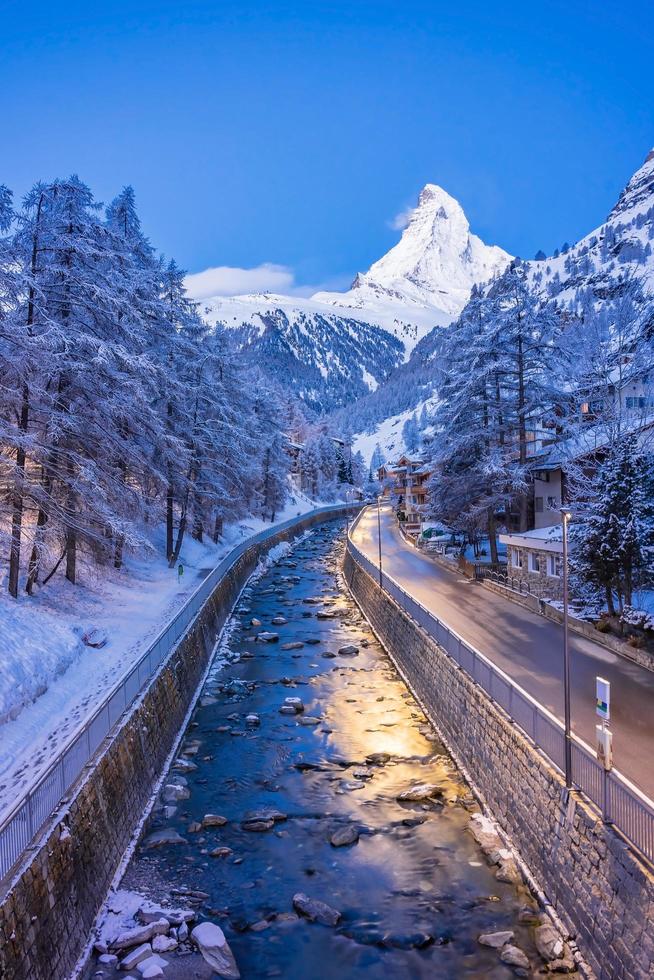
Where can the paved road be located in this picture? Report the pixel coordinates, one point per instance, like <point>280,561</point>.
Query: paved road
<point>529,648</point>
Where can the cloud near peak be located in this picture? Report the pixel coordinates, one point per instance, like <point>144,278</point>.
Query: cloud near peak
<point>269,277</point>
<point>227,280</point>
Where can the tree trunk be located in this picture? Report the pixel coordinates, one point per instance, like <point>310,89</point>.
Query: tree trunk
<point>118,551</point>
<point>217,529</point>
<point>18,502</point>
<point>71,555</point>
<point>609,600</point>
<point>492,536</point>
<point>198,530</point>
<point>169,521</point>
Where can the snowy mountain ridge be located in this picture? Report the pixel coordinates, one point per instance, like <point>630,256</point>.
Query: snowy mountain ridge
<point>622,247</point>
<point>433,266</point>
<point>336,347</point>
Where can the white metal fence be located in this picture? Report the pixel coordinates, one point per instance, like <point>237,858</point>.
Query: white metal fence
<point>31,811</point>
<point>621,803</point>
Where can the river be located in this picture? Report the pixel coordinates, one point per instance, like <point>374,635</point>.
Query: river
<point>413,889</point>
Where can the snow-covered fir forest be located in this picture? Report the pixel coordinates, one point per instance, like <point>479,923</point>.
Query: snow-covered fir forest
<point>121,410</point>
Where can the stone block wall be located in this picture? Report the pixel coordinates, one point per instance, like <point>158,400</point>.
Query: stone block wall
<point>49,906</point>
<point>600,889</point>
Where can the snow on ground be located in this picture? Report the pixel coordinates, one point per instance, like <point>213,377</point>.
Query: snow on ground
<point>389,433</point>
<point>50,681</point>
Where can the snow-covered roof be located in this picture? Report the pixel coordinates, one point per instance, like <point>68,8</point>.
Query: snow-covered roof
<point>541,539</point>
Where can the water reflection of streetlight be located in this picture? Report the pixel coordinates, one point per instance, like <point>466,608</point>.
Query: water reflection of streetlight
<point>565,517</point>
<point>379,539</point>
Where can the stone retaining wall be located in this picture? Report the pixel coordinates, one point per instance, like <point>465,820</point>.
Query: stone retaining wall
<point>49,907</point>
<point>601,891</point>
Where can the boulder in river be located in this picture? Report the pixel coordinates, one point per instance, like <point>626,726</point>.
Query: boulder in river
<point>215,950</point>
<point>296,703</point>
<point>344,836</point>
<point>496,939</point>
<point>266,637</point>
<point>136,956</point>
<point>172,792</point>
<point>257,826</point>
<point>419,793</point>
<point>315,911</point>
<point>213,820</point>
<point>553,950</point>
<point>514,956</point>
<point>349,650</point>
<point>140,934</point>
<point>296,645</point>
<point>378,758</point>
<point>162,838</point>
<point>267,813</point>
<point>279,621</point>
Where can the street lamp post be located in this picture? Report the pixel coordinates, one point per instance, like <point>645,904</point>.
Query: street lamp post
<point>565,515</point>
<point>379,540</point>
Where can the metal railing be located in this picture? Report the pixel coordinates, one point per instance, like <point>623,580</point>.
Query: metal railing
<point>30,812</point>
<point>620,801</point>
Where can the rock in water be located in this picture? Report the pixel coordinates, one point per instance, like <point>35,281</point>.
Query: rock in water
<point>513,956</point>
<point>266,637</point>
<point>344,836</point>
<point>141,934</point>
<point>548,942</point>
<point>496,939</point>
<point>162,838</point>
<point>348,651</point>
<point>213,820</point>
<point>314,910</point>
<point>420,793</point>
<point>136,956</point>
<point>210,940</point>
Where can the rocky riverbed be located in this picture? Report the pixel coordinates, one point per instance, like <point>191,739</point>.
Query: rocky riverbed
<point>312,824</point>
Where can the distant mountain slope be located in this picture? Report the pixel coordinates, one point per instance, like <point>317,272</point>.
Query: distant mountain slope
<point>334,348</point>
<point>327,358</point>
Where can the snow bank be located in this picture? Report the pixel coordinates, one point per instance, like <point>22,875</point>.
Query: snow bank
<point>50,681</point>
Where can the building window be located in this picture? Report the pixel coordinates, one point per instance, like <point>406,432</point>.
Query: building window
<point>539,505</point>
<point>534,562</point>
<point>555,566</point>
<point>516,557</point>
<point>552,503</point>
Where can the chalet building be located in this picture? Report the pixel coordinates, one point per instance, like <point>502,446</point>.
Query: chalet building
<point>404,483</point>
<point>535,561</point>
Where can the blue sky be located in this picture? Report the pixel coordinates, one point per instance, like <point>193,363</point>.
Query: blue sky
<point>293,133</point>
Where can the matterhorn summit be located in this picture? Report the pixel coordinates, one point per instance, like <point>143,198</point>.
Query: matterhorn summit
<point>336,347</point>
<point>433,267</point>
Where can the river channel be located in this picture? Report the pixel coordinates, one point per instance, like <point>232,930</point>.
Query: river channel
<point>413,888</point>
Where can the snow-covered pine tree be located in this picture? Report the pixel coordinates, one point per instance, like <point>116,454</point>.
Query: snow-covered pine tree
<point>411,434</point>
<point>614,536</point>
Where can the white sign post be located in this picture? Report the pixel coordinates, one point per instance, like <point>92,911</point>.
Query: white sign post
<point>603,710</point>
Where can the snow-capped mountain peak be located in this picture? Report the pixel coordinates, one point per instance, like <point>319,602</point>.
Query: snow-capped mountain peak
<point>433,266</point>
